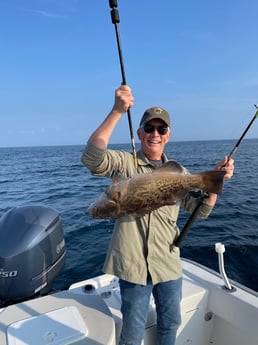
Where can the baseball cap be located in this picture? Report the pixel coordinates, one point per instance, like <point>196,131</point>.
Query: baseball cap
<point>155,113</point>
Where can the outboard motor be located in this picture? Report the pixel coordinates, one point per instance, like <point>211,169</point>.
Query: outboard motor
<point>32,252</point>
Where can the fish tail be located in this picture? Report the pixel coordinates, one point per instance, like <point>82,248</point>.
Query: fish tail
<point>213,181</point>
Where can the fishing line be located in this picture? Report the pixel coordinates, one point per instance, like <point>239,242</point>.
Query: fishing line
<point>204,194</point>
<point>115,20</point>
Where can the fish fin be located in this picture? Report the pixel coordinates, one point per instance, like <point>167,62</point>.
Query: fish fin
<point>116,196</point>
<point>117,177</point>
<point>110,211</point>
<point>170,166</point>
<point>213,181</point>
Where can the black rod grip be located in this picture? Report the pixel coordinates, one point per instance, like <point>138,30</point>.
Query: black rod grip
<point>115,16</point>
<point>112,3</point>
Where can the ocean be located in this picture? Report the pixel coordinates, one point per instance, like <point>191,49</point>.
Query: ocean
<point>55,177</point>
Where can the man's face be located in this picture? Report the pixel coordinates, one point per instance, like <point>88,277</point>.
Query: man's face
<point>153,143</point>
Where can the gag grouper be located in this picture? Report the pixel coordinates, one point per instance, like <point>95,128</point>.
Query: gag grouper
<point>144,193</point>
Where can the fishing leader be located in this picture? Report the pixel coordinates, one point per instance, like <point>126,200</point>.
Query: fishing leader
<point>141,253</point>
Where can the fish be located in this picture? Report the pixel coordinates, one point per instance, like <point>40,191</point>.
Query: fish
<point>143,193</point>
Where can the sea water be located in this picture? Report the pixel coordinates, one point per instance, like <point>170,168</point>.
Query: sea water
<point>55,177</point>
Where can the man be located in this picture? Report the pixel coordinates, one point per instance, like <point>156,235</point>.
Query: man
<point>141,253</point>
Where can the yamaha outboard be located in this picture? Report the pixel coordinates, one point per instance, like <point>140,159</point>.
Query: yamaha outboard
<point>32,252</point>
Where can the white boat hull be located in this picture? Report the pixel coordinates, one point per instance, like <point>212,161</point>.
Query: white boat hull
<point>89,313</point>
<point>210,314</point>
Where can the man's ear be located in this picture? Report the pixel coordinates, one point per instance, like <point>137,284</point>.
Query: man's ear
<point>168,136</point>
<point>139,132</point>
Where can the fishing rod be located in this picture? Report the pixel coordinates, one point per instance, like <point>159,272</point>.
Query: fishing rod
<point>244,133</point>
<point>204,194</point>
<point>115,20</point>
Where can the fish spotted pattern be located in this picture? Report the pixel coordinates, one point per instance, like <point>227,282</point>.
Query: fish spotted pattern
<point>144,193</point>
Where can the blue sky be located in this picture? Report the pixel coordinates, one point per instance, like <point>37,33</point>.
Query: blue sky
<point>59,67</point>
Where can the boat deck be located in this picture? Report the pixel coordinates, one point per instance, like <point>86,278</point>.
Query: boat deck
<point>210,313</point>
<point>89,313</point>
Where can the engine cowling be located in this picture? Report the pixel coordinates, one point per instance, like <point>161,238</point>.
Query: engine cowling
<point>32,252</point>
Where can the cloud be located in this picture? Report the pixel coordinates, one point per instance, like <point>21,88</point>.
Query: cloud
<point>47,14</point>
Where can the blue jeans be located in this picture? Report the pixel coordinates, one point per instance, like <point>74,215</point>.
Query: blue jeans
<point>135,307</point>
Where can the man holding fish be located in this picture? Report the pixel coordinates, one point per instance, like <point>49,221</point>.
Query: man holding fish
<point>146,204</point>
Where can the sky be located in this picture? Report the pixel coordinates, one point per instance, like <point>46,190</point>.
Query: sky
<point>59,68</point>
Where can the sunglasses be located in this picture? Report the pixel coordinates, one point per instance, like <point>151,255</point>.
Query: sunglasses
<point>162,130</point>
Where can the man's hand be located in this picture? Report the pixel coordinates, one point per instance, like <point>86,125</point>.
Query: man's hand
<point>123,99</point>
<point>226,165</point>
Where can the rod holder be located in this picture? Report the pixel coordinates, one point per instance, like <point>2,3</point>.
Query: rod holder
<point>220,249</point>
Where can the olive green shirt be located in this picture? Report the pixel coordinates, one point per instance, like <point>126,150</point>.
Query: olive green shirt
<point>140,245</point>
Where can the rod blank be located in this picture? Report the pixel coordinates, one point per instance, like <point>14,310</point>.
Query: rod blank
<point>115,20</point>
<point>194,214</point>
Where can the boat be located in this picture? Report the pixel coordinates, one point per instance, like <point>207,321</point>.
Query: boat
<point>215,310</point>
